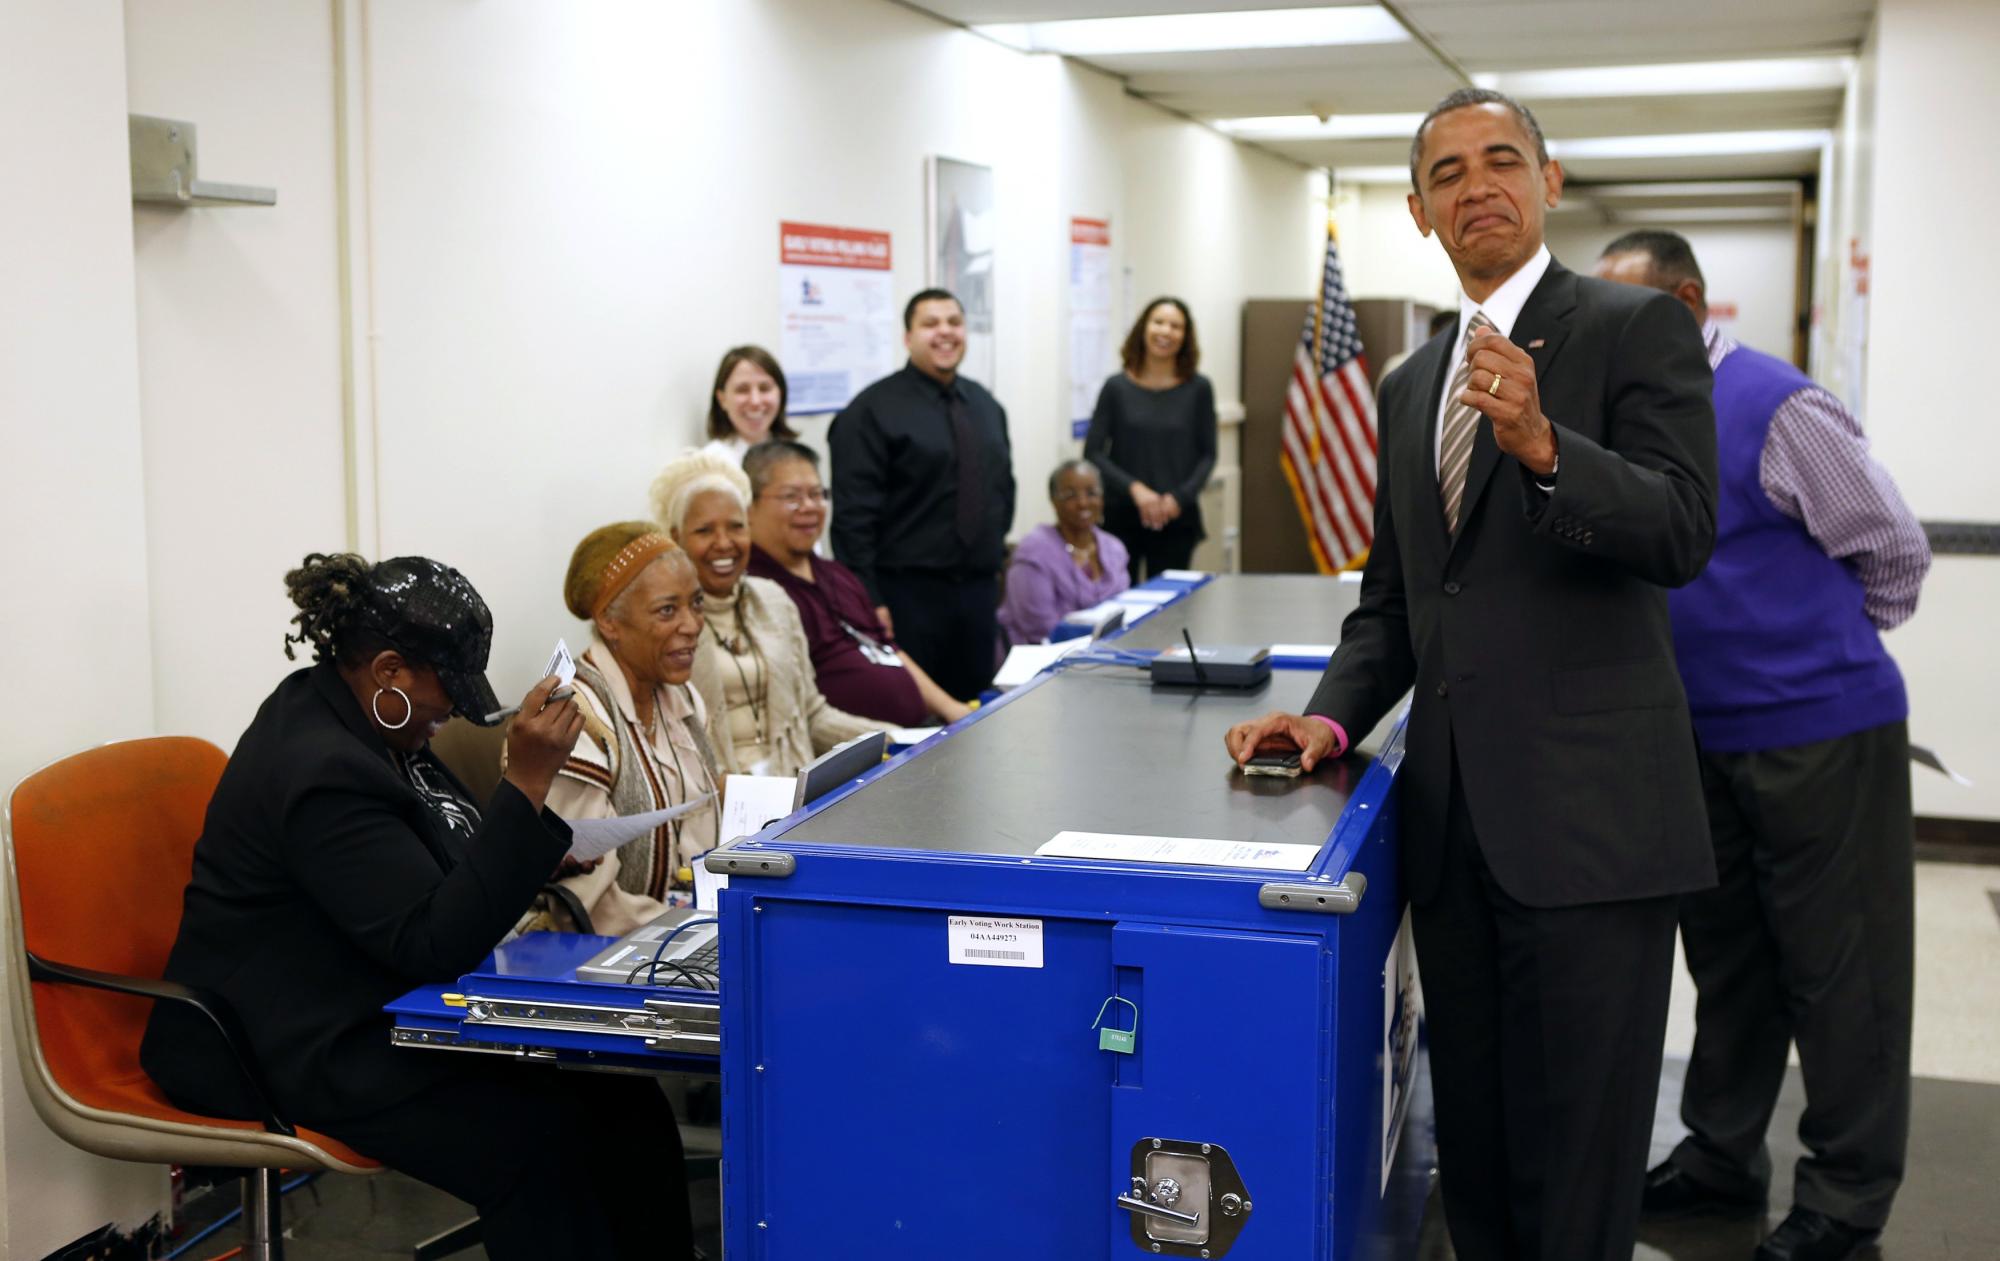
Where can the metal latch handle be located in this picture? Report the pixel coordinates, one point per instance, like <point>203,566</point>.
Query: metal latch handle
<point>1134,1204</point>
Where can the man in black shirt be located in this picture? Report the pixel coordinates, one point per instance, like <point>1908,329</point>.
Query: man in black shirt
<point>923,489</point>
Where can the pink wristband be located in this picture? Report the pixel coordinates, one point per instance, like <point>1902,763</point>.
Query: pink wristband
<point>1339,732</point>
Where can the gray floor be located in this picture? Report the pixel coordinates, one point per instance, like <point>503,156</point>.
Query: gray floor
<point>1949,1209</point>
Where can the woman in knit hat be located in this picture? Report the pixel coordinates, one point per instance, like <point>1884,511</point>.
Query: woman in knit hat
<point>754,672</point>
<point>643,745</point>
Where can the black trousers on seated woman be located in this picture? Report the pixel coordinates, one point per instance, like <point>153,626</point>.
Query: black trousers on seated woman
<point>558,1165</point>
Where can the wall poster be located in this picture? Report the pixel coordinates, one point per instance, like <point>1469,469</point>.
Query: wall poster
<point>1092,340</point>
<point>837,307</point>
<point>962,225</point>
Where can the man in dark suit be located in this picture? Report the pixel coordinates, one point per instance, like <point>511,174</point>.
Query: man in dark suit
<point>1547,471</point>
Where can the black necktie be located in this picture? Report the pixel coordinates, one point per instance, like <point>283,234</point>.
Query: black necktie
<point>966,439</point>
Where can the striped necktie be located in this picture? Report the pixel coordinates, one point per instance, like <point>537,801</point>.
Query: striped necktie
<point>1460,424</point>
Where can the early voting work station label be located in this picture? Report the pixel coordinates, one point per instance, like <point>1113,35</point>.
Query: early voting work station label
<point>994,943</point>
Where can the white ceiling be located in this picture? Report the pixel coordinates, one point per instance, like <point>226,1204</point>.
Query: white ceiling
<point>1494,35</point>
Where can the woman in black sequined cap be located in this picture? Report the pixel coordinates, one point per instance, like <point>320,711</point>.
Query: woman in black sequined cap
<point>341,866</point>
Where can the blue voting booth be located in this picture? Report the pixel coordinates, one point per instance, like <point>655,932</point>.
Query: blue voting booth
<point>940,1039</point>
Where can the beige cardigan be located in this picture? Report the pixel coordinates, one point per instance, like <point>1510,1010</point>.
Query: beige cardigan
<point>803,724</point>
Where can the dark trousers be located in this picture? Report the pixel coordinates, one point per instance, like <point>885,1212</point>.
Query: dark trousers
<point>1807,939</point>
<point>1150,551</point>
<point>558,1165</point>
<point>948,624</point>
<point>1546,1031</point>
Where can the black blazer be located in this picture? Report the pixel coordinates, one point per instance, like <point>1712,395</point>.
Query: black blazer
<point>1537,641</point>
<point>323,887</point>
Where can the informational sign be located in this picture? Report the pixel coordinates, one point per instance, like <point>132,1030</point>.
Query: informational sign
<point>1090,331</point>
<point>1401,1003</point>
<point>993,943</point>
<point>837,302</point>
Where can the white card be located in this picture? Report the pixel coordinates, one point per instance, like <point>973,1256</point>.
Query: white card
<point>561,664</point>
<point>1182,575</point>
<point>1197,851</point>
<point>985,942</point>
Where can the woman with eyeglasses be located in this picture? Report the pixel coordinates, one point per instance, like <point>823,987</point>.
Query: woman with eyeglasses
<point>1058,569</point>
<point>854,656</point>
<point>766,715</point>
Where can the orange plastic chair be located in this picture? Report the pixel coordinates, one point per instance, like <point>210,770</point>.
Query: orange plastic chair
<point>98,850</point>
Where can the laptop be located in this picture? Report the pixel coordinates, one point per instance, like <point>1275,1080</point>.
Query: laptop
<point>689,959</point>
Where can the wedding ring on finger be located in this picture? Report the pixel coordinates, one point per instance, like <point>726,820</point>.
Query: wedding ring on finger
<point>1495,387</point>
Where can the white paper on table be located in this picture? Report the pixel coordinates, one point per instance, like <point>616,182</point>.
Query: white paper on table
<point>1267,855</point>
<point>1302,650</point>
<point>1182,575</point>
<point>594,838</point>
<point>1090,616</point>
<point>1144,595</point>
<point>912,735</point>
<point>1349,575</point>
<point>1025,661</point>
<point>707,884</point>
<point>750,803</point>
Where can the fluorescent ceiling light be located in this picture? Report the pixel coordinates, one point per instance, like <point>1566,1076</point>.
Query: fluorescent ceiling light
<point>1703,144</point>
<point>1680,189</point>
<point>1336,127</point>
<point>1202,32</point>
<point>1372,175</point>
<point>1790,74</point>
<point>1704,214</point>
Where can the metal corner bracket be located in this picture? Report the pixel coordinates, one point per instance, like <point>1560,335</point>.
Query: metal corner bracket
<point>749,862</point>
<point>1325,899</point>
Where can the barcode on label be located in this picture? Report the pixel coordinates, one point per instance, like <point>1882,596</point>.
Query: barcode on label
<point>975,953</point>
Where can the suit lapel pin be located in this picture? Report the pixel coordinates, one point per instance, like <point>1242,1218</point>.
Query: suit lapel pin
<point>1538,343</point>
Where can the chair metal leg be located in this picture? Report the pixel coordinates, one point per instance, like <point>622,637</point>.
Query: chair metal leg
<point>451,1242</point>
<point>263,1227</point>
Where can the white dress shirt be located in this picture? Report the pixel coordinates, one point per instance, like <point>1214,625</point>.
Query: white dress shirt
<point>1503,308</point>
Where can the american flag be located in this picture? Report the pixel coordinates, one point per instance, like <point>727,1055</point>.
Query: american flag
<point>1329,438</point>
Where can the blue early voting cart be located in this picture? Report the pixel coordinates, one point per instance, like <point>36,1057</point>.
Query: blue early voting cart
<point>940,1043</point>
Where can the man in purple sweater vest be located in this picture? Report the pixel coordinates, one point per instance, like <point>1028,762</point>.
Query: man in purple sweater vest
<point>1801,718</point>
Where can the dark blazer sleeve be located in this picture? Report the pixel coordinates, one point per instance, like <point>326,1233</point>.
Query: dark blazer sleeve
<point>1189,491</point>
<point>1097,443</point>
<point>362,863</point>
<point>1644,498</point>
<point>1375,663</point>
<point>860,470</point>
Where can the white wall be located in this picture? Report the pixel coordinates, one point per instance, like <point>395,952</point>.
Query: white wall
<point>575,211</point>
<point>72,497</point>
<point>1753,265</point>
<point>239,347</point>
<point>1931,279</point>
<point>1382,253</point>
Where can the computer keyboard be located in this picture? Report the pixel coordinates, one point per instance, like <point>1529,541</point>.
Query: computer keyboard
<point>707,959</point>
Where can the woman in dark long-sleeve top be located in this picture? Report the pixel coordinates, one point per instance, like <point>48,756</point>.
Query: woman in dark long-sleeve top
<point>341,865</point>
<point>1153,436</point>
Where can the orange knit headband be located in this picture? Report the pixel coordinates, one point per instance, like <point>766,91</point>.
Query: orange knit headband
<point>625,566</point>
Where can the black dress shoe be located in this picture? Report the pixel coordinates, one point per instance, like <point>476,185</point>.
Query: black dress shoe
<point>1670,1192</point>
<point>1808,1236</point>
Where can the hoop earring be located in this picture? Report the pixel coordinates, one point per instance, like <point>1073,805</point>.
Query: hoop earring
<point>375,704</point>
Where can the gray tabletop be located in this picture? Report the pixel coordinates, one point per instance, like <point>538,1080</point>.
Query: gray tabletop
<point>1252,609</point>
<point>1094,749</point>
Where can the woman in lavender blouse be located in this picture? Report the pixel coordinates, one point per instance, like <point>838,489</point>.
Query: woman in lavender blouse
<point>1060,568</point>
